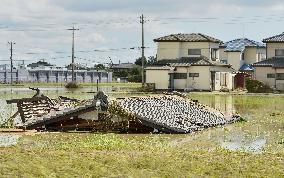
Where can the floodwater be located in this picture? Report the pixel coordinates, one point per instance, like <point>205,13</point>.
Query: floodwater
<point>263,130</point>
<point>8,140</point>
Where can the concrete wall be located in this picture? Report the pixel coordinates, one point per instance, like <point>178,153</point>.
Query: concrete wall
<point>174,50</point>
<point>271,47</point>
<point>159,77</point>
<point>261,75</point>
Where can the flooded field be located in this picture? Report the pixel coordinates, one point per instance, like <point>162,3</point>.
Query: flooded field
<point>245,149</point>
<point>263,130</point>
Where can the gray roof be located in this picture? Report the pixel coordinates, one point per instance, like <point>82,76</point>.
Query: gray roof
<point>185,37</point>
<point>240,44</point>
<point>123,66</point>
<point>190,61</point>
<point>273,62</point>
<point>276,38</point>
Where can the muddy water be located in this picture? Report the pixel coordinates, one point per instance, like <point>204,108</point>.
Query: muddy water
<point>263,130</point>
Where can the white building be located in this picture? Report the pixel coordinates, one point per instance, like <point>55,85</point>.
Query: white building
<point>189,62</point>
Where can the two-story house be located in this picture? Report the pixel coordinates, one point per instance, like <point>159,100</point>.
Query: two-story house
<point>271,70</point>
<point>241,53</point>
<point>189,62</point>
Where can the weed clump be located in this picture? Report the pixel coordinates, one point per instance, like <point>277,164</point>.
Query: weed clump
<point>72,85</point>
<point>255,86</point>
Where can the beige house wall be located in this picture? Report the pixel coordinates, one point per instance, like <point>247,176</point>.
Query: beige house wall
<point>250,55</point>
<point>222,54</point>
<point>280,83</point>
<point>159,77</point>
<point>271,47</point>
<point>254,54</point>
<point>174,50</point>
<point>234,58</point>
<point>261,75</point>
<point>203,82</point>
<point>180,84</point>
<point>168,50</point>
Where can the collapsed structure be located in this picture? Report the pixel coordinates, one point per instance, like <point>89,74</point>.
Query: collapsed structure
<point>166,113</point>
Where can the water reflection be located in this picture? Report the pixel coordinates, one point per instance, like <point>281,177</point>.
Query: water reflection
<point>234,143</point>
<point>8,140</point>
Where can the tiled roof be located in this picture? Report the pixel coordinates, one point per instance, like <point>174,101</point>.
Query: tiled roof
<point>273,62</point>
<point>189,61</point>
<point>185,37</point>
<point>240,44</point>
<point>276,38</point>
<point>246,67</point>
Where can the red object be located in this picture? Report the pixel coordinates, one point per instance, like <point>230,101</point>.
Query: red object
<point>240,79</point>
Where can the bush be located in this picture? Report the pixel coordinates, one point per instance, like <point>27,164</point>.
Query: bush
<point>255,86</point>
<point>72,85</point>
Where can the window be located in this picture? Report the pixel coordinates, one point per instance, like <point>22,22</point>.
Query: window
<point>280,76</point>
<point>214,54</point>
<point>180,76</point>
<point>193,74</point>
<point>279,52</point>
<point>270,75</point>
<point>194,52</point>
<point>224,61</point>
<point>243,56</point>
<point>224,79</point>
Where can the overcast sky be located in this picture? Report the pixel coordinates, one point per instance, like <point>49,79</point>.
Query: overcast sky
<point>38,27</point>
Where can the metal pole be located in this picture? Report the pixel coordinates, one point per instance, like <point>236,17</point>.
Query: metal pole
<point>73,54</point>
<point>11,59</point>
<point>97,80</point>
<point>142,21</point>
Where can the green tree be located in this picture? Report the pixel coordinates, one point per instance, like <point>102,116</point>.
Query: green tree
<point>139,61</point>
<point>100,67</point>
<point>151,60</point>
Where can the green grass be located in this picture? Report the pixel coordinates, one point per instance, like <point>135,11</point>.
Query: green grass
<point>112,155</point>
<point>194,155</point>
<point>25,85</point>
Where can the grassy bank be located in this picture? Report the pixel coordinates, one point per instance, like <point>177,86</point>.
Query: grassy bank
<point>111,155</point>
<point>25,85</point>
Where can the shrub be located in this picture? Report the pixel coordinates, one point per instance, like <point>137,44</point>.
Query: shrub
<point>255,86</point>
<point>72,85</point>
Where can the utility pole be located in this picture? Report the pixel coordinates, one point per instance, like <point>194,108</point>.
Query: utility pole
<point>73,63</point>
<point>142,21</point>
<point>11,59</point>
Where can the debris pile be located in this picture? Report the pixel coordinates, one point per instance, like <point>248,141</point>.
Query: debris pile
<point>170,113</point>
